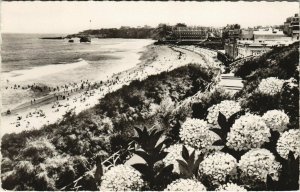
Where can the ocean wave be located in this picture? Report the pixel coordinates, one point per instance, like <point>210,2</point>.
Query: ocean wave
<point>40,71</point>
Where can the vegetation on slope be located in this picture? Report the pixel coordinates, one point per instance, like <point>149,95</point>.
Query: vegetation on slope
<point>52,157</point>
<point>282,63</point>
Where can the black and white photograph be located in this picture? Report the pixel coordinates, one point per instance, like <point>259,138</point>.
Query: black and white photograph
<point>149,96</point>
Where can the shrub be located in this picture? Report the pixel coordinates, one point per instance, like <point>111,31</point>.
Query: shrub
<point>121,178</point>
<point>289,141</point>
<point>154,172</point>
<point>270,86</point>
<point>174,154</point>
<point>216,168</point>
<point>256,164</point>
<point>289,102</point>
<point>276,120</point>
<point>226,107</point>
<point>201,105</point>
<point>261,103</point>
<point>249,131</point>
<point>283,60</point>
<point>38,150</point>
<point>196,133</point>
<point>185,185</point>
<point>230,187</point>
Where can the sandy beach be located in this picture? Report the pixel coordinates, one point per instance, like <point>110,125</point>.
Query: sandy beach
<point>50,108</point>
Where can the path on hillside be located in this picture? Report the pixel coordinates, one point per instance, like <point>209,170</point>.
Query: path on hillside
<point>231,83</point>
<point>228,81</point>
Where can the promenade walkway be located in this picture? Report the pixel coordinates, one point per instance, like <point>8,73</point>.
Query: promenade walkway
<point>231,83</point>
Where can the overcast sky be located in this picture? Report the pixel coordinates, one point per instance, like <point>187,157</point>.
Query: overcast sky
<point>72,17</point>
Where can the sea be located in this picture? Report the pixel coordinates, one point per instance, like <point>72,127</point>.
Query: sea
<point>27,59</point>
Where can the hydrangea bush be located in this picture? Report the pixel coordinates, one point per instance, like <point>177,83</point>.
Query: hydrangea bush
<point>216,167</point>
<point>270,86</point>
<point>230,187</point>
<point>185,185</point>
<point>174,153</point>
<point>196,133</point>
<point>121,178</point>
<point>249,131</point>
<point>289,141</point>
<point>226,107</point>
<point>256,164</point>
<point>276,120</point>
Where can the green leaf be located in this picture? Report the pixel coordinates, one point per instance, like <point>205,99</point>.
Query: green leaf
<point>144,155</point>
<point>166,171</point>
<point>185,153</point>
<point>158,147</point>
<point>145,132</point>
<point>185,172</point>
<point>232,118</point>
<point>218,131</point>
<point>219,143</point>
<point>197,164</point>
<point>222,121</point>
<point>152,132</point>
<point>144,170</point>
<point>162,155</point>
<point>139,132</point>
<point>155,138</point>
<point>191,159</point>
<point>270,184</point>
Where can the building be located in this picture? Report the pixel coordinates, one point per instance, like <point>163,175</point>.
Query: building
<point>291,27</point>
<point>252,42</point>
<point>231,50</point>
<point>251,49</point>
<point>190,33</point>
<point>270,36</point>
<point>246,34</point>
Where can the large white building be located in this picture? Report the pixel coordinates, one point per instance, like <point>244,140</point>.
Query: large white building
<point>271,36</point>
<point>263,41</point>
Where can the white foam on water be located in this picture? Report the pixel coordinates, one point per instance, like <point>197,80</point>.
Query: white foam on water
<point>37,72</point>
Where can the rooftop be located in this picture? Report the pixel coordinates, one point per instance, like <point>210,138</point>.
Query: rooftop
<point>269,31</point>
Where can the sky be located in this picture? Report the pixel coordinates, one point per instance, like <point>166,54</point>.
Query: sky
<point>72,17</point>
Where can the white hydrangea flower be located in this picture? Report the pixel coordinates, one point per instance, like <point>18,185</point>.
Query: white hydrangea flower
<point>289,141</point>
<point>276,120</point>
<point>256,164</point>
<point>196,133</point>
<point>230,187</point>
<point>226,107</point>
<point>121,178</point>
<point>270,85</point>
<point>249,131</point>
<point>217,166</point>
<point>185,185</point>
<point>174,153</point>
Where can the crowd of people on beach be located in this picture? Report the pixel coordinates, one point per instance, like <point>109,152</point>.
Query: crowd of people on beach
<point>84,94</point>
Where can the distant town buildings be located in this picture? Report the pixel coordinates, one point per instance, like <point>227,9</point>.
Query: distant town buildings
<point>240,43</point>
<point>291,27</point>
